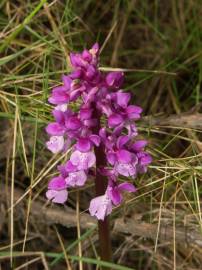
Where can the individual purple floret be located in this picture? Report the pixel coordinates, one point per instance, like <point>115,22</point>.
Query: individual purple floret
<point>103,119</point>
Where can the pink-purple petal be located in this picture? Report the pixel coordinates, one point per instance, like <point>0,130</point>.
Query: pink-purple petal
<point>73,123</point>
<point>76,179</point>
<point>83,145</point>
<point>124,156</point>
<point>57,183</point>
<point>123,99</point>
<point>125,169</point>
<point>95,139</point>
<point>55,144</point>
<point>139,145</point>
<point>111,158</point>
<point>114,79</point>
<point>57,196</point>
<point>55,129</point>
<point>67,82</point>
<point>83,161</point>
<point>127,187</point>
<point>116,196</point>
<point>114,120</point>
<point>122,140</point>
<point>59,116</point>
<point>69,167</point>
<point>100,207</point>
<point>134,112</point>
<point>85,114</point>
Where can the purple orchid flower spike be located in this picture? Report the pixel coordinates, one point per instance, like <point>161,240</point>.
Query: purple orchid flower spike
<point>102,130</point>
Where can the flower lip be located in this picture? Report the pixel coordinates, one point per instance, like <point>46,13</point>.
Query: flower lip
<point>57,183</point>
<point>115,79</point>
<point>55,129</point>
<point>83,145</point>
<point>57,196</point>
<point>124,156</point>
<point>83,161</point>
<point>139,145</point>
<point>100,206</point>
<point>115,120</point>
<point>76,178</point>
<point>55,144</point>
<point>73,123</point>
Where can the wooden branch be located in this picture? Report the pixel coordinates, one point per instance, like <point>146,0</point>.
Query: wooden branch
<point>51,214</point>
<point>65,216</point>
<point>184,120</point>
<point>183,235</point>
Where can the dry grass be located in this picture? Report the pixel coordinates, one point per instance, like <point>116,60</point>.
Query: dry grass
<point>158,45</point>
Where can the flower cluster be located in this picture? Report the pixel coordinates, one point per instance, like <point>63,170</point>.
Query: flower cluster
<point>100,97</point>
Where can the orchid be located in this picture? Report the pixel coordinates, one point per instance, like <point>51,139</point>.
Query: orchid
<point>81,130</point>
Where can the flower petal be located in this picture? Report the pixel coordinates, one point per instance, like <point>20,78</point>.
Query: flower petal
<point>115,196</point>
<point>83,160</point>
<point>76,60</point>
<point>115,79</point>
<point>123,99</point>
<point>57,196</point>
<point>83,145</point>
<point>61,107</point>
<point>59,116</point>
<point>111,158</point>
<point>144,158</point>
<point>125,169</point>
<point>127,187</point>
<point>103,133</point>
<point>114,120</point>
<point>100,207</point>
<point>73,95</point>
<point>95,139</point>
<point>124,156</point>
<point>86,55</point>
<point>134,112</point>
<point>55,144</point>
<point>67,81</point>
<point>90,122</point>
<point>95,49</point>
<point>57,183</point>
<point>62,170</point>
<point>59,96</point>
<point>73,123</point>
<point>76,179</point>
<point>85,113</point>
<point>55,129</point>
<point>139,145</point>
<point>122,140</point>
<point>69,167</point>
